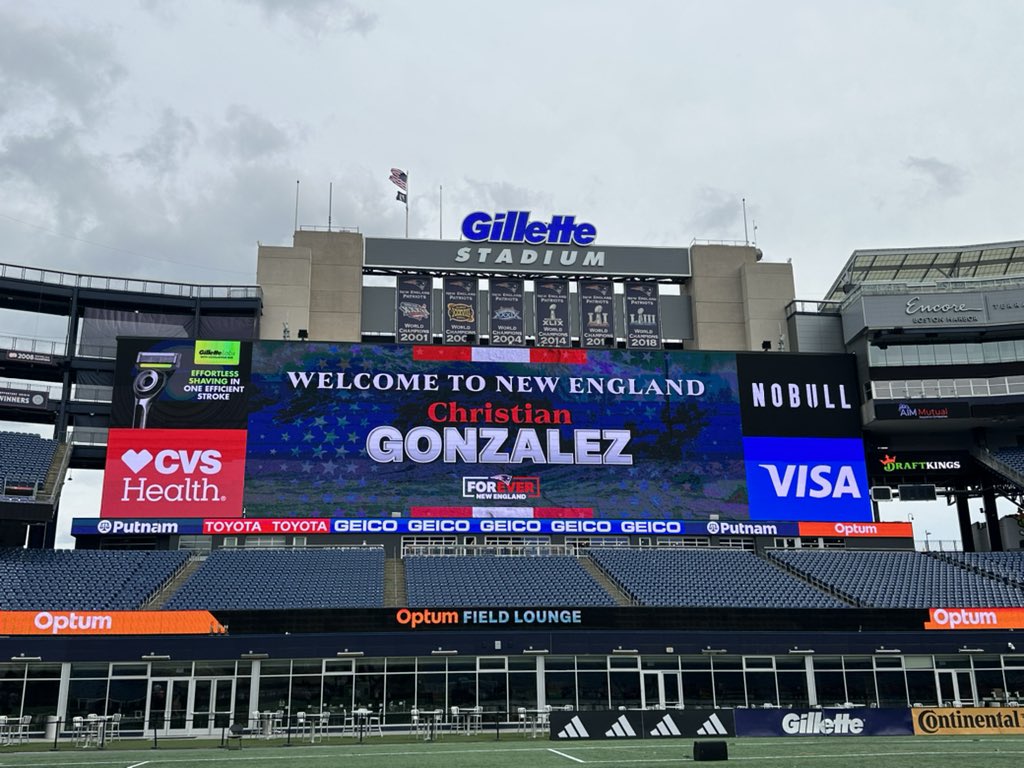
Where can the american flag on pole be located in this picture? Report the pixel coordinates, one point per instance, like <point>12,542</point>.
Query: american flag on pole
<point>400,179</point>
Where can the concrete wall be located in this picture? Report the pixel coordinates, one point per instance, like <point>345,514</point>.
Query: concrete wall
<point>738,301</point>
<point>317,284</point>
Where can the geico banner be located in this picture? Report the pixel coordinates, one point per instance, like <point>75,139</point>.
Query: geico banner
<point>641,724</point>
<point>356,431</point>
<point>967,721</point>
<point>857,721</point>
<point>109,623</point>
<point>975,618</point>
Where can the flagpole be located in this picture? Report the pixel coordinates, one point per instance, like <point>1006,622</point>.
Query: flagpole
<point>406,206</point>
<point>440,212</point>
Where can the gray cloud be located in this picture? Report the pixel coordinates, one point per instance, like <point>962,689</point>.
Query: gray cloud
<point>249,136</point>
<point>169,146</point>
<point>717,214</point>
<point>944,179</point>
<point>54,72</point>
<point>317,17</point>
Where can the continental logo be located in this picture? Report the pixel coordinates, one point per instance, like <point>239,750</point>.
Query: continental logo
<point>970,721</point>
<point>218,352</point>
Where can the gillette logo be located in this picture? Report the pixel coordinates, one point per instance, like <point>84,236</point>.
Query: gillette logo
<point>815,723</point>
<point>186,470</point>
<point>172,462</point>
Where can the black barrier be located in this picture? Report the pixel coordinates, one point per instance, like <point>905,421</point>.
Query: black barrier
<point>642,724</point>
<point>710,750</point>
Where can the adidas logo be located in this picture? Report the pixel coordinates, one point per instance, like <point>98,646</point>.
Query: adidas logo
<point>574,730</point>
<point>620,729</point>
<point>712,727</point>
<point>666,727</point>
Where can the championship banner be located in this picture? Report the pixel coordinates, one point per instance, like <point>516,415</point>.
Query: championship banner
<point>643,317</point>
<point>597,313</point>
<point>24,398</point>
<point>967,721</point>
<point>109,623</point>
<point>507,309</point>
<point>414,308</point>
<point>461,301</point>
<point>551,312</point>
<point>38,358</point>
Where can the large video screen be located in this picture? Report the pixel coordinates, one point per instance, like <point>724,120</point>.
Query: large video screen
<point>223,429</point>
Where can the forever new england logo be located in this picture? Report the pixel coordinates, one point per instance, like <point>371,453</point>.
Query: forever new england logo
<point>500,488</point>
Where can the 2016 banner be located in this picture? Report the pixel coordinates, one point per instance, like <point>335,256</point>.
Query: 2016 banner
<point>597,313</point>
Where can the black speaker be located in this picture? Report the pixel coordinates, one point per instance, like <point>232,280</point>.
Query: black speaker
<point>710,750</point>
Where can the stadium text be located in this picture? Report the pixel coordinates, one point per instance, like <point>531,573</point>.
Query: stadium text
<point>516,227</point>
<point>426,616</point>
<point>58,622</point>
<point>815,723</point>
<point>793,396</point>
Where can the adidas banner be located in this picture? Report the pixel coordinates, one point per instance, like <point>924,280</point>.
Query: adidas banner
<point>642,724</point>
<point>857,721</point>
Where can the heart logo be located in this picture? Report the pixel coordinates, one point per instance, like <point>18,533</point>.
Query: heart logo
<point>136,460</point>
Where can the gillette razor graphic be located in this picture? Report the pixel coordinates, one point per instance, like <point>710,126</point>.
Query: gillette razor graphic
<point>155,369</point>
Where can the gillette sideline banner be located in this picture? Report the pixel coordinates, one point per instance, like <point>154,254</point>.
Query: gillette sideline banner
<point>460,432</point>
<point>854,721</point>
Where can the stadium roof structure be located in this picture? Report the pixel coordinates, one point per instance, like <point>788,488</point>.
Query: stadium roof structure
<point>914,265</point>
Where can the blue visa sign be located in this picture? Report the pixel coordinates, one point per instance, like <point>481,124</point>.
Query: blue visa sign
<point>806,478</point>
<point>516,227</point>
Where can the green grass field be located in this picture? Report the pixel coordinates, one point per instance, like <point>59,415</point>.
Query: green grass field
<point>465,752</point>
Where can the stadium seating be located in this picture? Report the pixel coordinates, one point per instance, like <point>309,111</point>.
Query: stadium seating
<point>250,579</point>
<point>899,579</point>
<point>1006,566</point>
<point>24,459</point>
<point>707,577</point>
<point>89,580</point>
<point>1012,457</point>
<point>488,580</point>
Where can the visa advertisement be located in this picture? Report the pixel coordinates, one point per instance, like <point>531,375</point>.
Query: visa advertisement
<point>286,429</point>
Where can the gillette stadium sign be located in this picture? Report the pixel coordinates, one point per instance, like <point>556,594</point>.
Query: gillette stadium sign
<point>514,241</point>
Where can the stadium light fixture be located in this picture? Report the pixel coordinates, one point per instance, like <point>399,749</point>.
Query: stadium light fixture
<point>801,651</point>
<point>620,649</point>
<point>303,334</point>
<point>883,649</point>
<point>155,656</point>
<point>349,653</point>
<point>533,650</point>
<point>710,650</point>
<point>255,655</point>
<point>444,652</point>
<point>23,657</point>
<point>965,649</point>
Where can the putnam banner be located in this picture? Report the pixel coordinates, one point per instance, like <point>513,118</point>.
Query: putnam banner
<point>109,623</point>
<point>975,618</point>
<point>967,721</point>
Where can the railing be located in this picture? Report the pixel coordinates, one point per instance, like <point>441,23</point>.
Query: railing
<point>501,550</point>
<point>99,282</point>
<point>52,347</point>
<point>317,228</point>
<point>1000,386</point>
<point>806,307</point>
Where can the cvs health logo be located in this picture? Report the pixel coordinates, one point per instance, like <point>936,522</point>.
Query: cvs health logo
<point>174,473</point>
<point>806,478</point>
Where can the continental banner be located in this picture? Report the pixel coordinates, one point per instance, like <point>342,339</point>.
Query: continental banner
<point>109,623</point>
<point>642,724</point>
<point>967,721</point>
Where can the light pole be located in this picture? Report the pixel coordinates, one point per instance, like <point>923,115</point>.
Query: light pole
<point>927,541</point>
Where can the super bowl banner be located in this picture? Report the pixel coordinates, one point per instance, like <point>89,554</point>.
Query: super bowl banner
<point>508,326</point>
<point>597,313</point>
<point>460,310</point>
<point>643,316</point>
<point>287,429</point>
<point>414,308</point>
<point>551,310</point>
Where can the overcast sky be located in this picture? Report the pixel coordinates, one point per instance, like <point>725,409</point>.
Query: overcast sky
<point>164,139</point>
